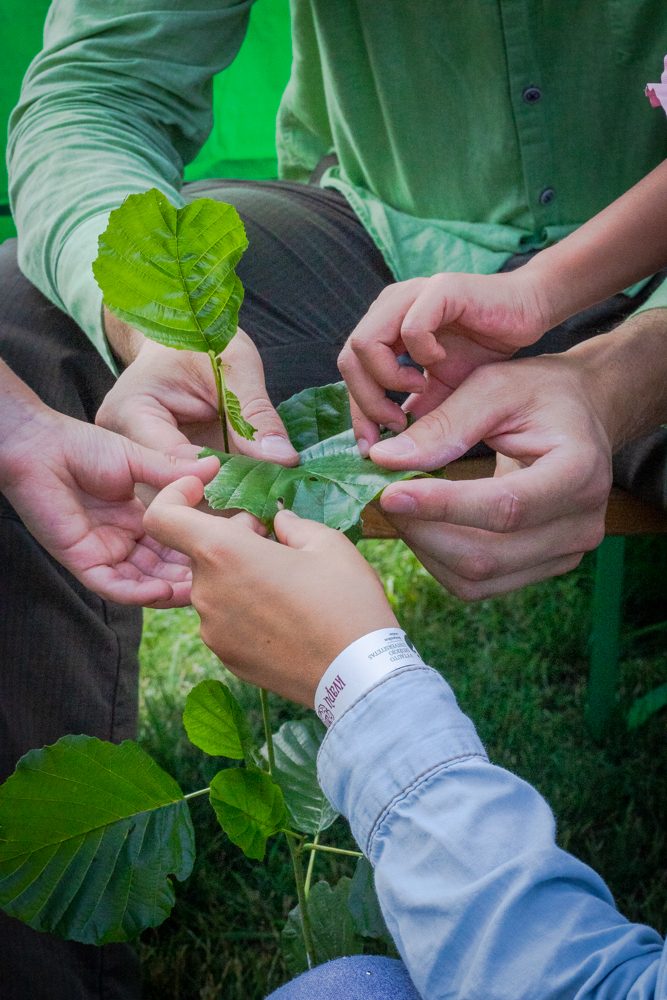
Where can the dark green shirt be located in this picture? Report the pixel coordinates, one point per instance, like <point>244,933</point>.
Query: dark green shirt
<point>465,130</point>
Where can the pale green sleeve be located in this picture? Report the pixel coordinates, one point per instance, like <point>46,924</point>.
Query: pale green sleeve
<point>118,101</point>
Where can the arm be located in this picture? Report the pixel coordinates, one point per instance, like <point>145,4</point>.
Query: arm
<point>73,487</point>
<point>452,323</point>
<point>480,900</point>
<point>117,101</point>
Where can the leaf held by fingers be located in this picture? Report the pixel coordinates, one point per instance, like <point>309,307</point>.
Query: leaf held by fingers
<point>169,271</point>
<point>236,419</point>
<point>332,483</point>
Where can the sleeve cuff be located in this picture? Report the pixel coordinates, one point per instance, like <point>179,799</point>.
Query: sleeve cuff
<point>400,731</point>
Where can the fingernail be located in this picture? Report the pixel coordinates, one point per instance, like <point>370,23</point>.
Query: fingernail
<point>399,503</point>
<point>364,447</point>
<point>286,512</point>
<point>395,447</point>
<point>277,446</point>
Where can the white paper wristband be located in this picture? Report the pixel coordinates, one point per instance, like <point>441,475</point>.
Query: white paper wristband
<point>359,667</point>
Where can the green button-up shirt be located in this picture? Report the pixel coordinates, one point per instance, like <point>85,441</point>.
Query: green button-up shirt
<point>465,130</point>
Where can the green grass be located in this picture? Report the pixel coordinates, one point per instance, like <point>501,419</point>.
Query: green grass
<point>518,665</point>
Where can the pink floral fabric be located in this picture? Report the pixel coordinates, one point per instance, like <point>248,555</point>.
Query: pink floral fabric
<point>657,92</point>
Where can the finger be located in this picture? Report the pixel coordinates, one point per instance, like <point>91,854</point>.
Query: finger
<point>149,424</point>
<point>437,306</point>
<point>550,488</point>
<point>248,521</point>
<point>366,431</point>
<point>468,590</point>
<point>300,533</point>
<point>479,556</point>
<point>372,402</point>
<point>246,379</point>
<point>154,469</point>
<point>171,519</point>
<point>111,585</point>
<point>446,432</point>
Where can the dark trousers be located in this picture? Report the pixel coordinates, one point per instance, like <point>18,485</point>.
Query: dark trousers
<point>68,660</point>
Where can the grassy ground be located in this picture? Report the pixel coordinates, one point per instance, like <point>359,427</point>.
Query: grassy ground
<point>518,665</point>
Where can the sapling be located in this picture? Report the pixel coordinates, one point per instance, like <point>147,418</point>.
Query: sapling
<point>91,832</point>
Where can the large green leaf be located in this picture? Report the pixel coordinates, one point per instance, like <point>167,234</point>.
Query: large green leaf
<point>332,483</point>
<point>316,414</point>
<point>295,747</point>
<point>250,808</point>
<point>331,925</point>
<point>216,723</point>
<point>89,834</point>
<point>169,271</point>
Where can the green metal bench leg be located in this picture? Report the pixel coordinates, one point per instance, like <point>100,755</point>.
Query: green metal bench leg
<point>605,629</point>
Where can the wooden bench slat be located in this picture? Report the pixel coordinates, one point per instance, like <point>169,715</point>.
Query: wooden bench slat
<point>626,514</point>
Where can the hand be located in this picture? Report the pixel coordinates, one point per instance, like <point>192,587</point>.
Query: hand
<point>166,399</point>
<point>450,324</point>
<point>545,505</point>
<point>73,486</point>
<point>276,614</point>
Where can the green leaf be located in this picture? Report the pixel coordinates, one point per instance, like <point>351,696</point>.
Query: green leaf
<point>169,271</point>
<point>332,484</point>
<point>643,708</point>
<point>236,419</point>
<point>331,926</point>
<point>316,414</point>
<point>89,834</point>
<point>295,748</point>
<point>364,906</point>
<point>216,723</point>
<point>250,808</point>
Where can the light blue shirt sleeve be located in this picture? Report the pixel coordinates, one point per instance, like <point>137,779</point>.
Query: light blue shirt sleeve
<point>480,900</point>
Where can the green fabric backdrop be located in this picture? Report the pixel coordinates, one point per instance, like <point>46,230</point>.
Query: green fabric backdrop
<point>246,96</point>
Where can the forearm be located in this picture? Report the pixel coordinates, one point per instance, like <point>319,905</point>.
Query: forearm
<point>626,371</point>
<point>623,243</point>
<point>480,900</point>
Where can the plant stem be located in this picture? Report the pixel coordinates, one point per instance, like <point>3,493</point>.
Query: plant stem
<point>268,735</point>
<point>195,795</point>
<point>297,866</point>
<point>222,413</point>
<point>331,850</point>
<point>309,870</point>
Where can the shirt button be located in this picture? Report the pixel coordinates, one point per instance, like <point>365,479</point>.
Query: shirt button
<point>547,196</point>
<point>532,95</point>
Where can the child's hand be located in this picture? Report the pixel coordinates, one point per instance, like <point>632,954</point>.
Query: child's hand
<point>276,614</point>
<point>450,324</point>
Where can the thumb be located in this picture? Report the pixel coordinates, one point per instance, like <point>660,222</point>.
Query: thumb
<point>464,419</point>
<point>299,533</point>
<point>245,377</point>
<point>171,520</point>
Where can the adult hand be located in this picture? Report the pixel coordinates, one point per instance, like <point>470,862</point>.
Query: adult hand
<point>549,420</point>
<point>73,486</point>
<point>450,324</point>
<point>166,399</point>
<point>287,609</point>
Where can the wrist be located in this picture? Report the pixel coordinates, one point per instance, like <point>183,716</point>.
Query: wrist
<point>359,667</point>
<point>125,341</point>
<point>24,421</point>
<point>625,375</point>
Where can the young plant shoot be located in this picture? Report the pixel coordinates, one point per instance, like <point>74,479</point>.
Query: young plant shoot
<point>92,833</point>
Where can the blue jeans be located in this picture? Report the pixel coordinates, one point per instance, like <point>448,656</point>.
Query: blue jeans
<point>359,977</point>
